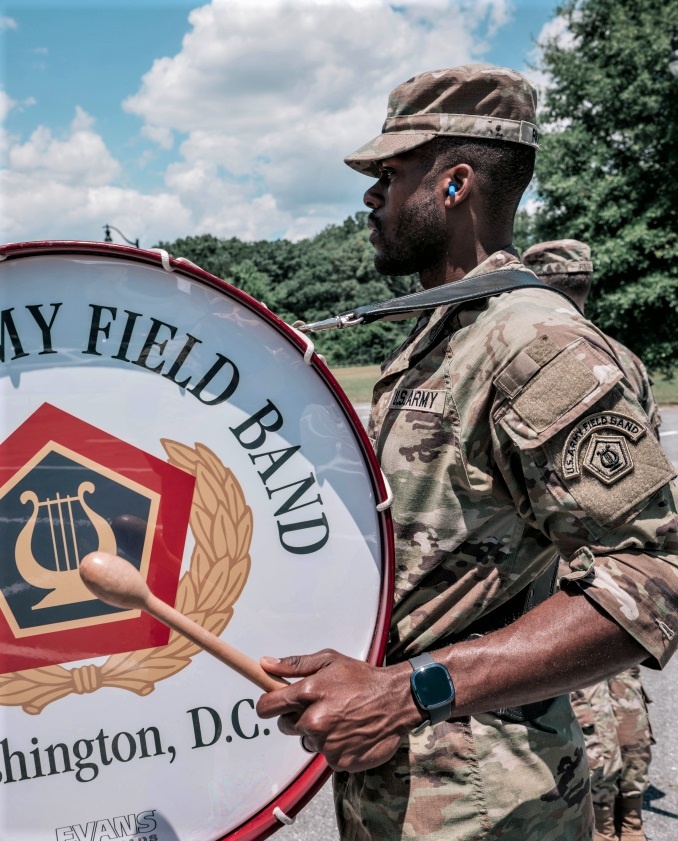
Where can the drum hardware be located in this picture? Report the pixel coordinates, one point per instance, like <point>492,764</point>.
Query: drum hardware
<point>304,747</point>
<point>118,583</point>
<point>182,493</point>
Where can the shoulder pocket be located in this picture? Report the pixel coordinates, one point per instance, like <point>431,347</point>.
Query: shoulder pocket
<point>548,387</point>
<point>586,435</point>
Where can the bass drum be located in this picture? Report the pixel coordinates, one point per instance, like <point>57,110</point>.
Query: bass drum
<point>151,410</point>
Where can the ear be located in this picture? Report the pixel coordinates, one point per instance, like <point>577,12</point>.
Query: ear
<point>461,177</point>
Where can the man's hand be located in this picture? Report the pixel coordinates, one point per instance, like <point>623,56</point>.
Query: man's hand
<point>353,713</point>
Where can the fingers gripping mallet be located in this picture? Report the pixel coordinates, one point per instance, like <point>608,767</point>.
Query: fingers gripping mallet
<point>116,582</point>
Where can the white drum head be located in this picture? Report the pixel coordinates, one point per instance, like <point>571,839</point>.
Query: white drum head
<point>169,418</point>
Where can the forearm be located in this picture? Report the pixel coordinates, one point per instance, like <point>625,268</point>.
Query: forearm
<point>357,714</point>
<point>561,645</point>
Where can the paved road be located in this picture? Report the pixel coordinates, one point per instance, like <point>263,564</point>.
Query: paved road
<point>317,823</point>
<point>661,799</point>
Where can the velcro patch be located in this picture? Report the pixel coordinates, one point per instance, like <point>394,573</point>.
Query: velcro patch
<point>562,384</point>
<point>419,399</point>
<point>520,371</point>
<point>542,350</point>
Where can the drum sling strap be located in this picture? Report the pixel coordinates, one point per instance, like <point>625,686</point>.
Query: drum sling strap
<point>407,306</point>
<point>459,292</point>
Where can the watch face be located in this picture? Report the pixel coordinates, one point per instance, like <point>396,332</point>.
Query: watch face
<point>432,686</point>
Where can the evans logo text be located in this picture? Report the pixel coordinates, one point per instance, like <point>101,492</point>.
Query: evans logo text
<point>127,827</point>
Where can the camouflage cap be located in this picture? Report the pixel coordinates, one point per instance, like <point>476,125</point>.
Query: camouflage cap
<point>474,100</point>
<point>560,256</point>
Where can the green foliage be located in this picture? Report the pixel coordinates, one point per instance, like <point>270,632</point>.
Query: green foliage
<point>524,234</point>
<point>608,168</point>
<point>310,280</point>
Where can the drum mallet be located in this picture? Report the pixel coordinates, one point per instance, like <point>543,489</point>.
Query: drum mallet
<point>118,583</point>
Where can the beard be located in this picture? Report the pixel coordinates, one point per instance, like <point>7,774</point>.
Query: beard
<point>418,241</point>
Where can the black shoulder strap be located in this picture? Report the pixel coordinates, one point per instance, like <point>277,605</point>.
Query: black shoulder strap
<point>459,292</point>
<point>469,289</point>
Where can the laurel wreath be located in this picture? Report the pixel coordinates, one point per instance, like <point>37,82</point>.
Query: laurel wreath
<point>221,523</point>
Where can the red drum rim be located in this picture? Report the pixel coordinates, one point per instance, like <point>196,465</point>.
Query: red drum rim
<point>313,777</point>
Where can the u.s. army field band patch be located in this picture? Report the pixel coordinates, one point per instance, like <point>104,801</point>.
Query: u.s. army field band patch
<point>607,456</point>
<point>420,399</point>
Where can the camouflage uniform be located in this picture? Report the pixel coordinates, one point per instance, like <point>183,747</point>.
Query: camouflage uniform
<point>613,714</point>
<point>491,423</point>
<point>640,382</point>
<point>593,708</point>
<point>481,499</point>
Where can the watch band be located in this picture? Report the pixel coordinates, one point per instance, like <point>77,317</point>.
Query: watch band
<point>437,714</point>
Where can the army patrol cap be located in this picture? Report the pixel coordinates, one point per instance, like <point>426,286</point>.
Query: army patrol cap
<point>474,100</point>
<point>559,256</point>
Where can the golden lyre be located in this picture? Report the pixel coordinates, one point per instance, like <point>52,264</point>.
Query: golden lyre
<point>64,580</point>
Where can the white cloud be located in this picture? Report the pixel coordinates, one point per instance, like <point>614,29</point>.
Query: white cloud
<point>555,31</point>
<point>261,104</point>
<point>51,209</point>
<point>531,205</point>
<point>7,23</point>
<point>267,96</point>
<point>60,188</point>
<point>82,120</point>
<point>79,158</point>
<point>6,105</point>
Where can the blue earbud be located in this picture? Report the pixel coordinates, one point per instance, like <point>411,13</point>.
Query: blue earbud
<point>452,189</point>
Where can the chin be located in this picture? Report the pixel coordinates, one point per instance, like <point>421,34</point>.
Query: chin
<point>391,267</point>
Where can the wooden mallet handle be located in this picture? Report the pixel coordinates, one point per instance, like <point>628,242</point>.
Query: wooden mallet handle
<point>118,583</point>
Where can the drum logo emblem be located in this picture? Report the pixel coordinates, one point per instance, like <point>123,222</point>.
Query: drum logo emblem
<point>55,510</point>
<point>68,488</point>
<point>63,580</point>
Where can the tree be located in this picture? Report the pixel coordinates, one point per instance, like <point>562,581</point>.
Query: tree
<point>608,168</point>
<point>309,280</point>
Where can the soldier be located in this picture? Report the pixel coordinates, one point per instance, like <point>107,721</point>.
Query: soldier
<point>530,443</point>
<point>613,714</point>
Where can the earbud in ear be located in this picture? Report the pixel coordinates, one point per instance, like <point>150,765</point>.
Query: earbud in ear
<point>452,189</point>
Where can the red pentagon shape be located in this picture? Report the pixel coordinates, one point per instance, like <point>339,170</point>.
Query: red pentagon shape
<point>68,488</point>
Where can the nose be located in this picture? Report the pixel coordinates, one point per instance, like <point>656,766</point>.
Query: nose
<point>374,196</point>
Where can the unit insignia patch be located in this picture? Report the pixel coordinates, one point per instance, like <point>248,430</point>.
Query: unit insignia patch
<point>608,458</point>
<point>607,454</point>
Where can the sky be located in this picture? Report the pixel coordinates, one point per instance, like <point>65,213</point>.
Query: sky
<point>172,118</point>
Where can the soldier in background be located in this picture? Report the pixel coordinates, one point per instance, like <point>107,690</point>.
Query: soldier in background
<point>613,714</point>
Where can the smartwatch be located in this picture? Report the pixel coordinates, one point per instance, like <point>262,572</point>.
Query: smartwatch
<point>432,689</point>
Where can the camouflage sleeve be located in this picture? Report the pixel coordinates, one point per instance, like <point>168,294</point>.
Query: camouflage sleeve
<point>649,403</point>
<point>583,466</point>
<point>640,381</point>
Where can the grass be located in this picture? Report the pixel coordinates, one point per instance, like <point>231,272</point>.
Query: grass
<point>357,382</point>
<point>665,391</point>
